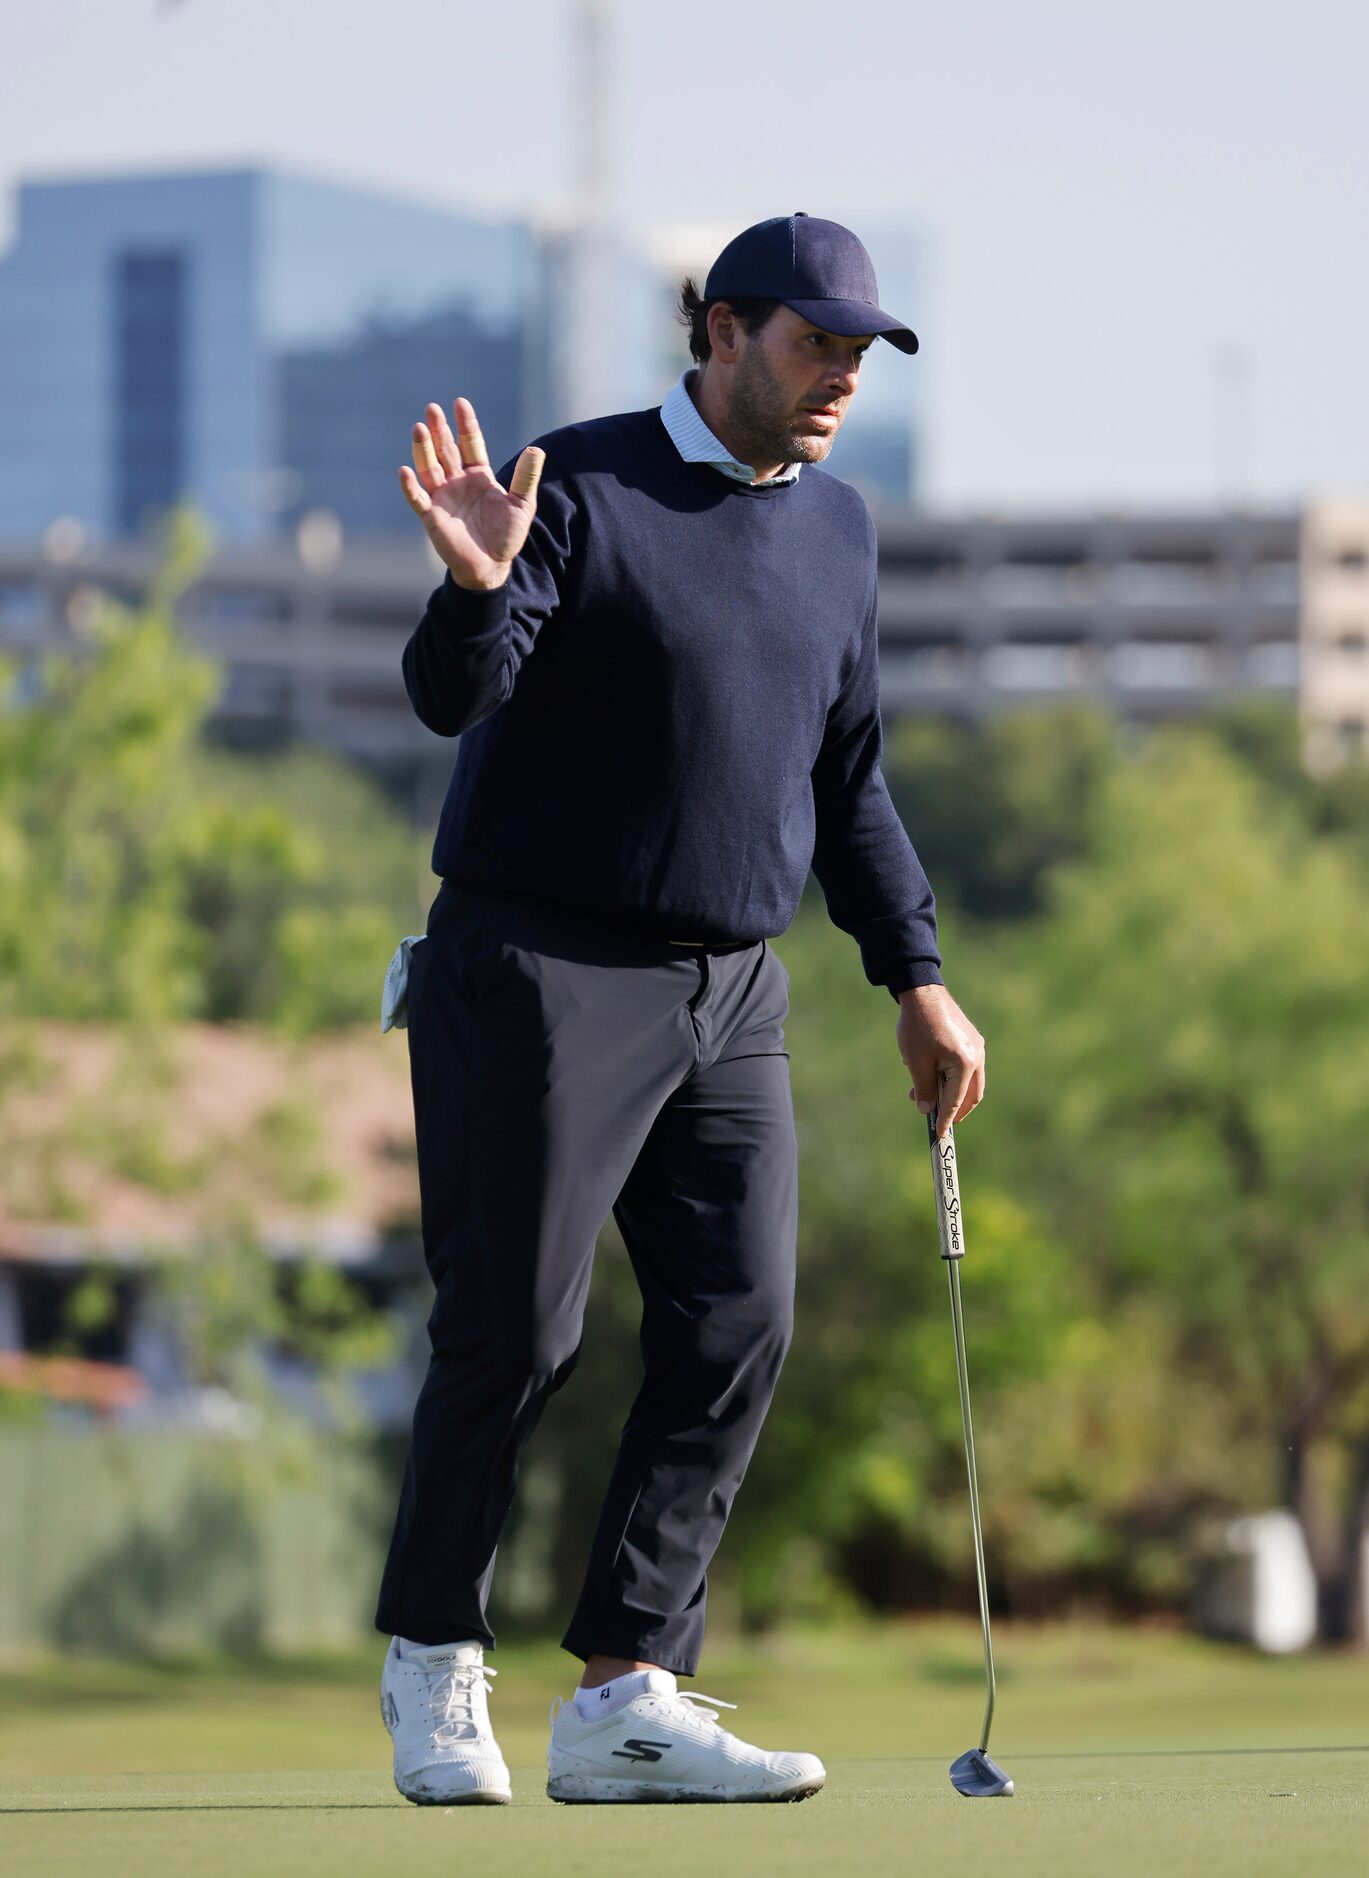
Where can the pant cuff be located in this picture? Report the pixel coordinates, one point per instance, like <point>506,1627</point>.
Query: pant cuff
<point>418,1631</point>
<point>632,1650</point>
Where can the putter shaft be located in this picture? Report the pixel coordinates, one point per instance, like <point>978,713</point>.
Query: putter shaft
<point>950,1230</point>
<point>962,1372</point>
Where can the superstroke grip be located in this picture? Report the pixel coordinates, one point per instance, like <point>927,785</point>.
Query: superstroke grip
<point>947,1186</point>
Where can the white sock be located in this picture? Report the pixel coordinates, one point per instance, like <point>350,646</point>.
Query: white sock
<point>610,1695</point>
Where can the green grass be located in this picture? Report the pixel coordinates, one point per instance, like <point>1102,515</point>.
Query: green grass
<point>1133,1751</point>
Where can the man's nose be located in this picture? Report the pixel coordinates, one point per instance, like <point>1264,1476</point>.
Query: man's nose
<point>844,378</point>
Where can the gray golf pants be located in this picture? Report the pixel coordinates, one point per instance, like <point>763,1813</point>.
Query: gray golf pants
<point>563,1068</point>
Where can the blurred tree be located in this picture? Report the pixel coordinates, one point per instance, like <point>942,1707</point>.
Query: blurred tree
<point>91,923</point>
<point>991,806</point>
<point>1151,1312</point>
<point>1184,1096</point>
<point>301,877</point>
<point>1265,736</point>
<point>145,880</point>
<point>857,1487</point>
<point>147,877</point>
<point>1163,935</point>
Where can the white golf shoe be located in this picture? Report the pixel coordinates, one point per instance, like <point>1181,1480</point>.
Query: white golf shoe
<point>435,1703</point>
<point>665,1744</point>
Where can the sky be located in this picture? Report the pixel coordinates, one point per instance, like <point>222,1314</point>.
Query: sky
<point>1145,229</point>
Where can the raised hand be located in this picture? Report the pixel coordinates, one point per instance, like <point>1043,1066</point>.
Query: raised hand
<point>476,526</point>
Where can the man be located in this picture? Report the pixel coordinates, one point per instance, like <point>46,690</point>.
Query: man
<point>656,638</point>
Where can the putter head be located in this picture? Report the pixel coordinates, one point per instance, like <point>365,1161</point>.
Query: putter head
<point>978,1777</point>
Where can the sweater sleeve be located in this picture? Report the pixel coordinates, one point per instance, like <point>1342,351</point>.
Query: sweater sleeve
<point>871,877</point>
<point>462,659</point>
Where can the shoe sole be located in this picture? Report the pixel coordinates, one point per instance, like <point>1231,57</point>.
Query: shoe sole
<point>577,1790</point>
<point>487,1797</point>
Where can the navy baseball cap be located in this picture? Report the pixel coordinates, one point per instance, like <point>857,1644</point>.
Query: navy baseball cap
<point>818,268</point>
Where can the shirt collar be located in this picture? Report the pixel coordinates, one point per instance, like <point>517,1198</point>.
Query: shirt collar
<point>696,442</point>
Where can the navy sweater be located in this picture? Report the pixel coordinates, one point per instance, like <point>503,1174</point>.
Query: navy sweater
<point>670,710</point>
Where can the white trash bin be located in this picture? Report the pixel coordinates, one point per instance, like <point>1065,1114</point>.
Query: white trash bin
<point>1261,1589</point>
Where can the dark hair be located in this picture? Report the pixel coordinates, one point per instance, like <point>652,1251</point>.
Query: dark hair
<point>750,314</point>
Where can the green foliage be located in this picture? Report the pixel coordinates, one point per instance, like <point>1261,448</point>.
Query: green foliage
<point>1177,1096</point>
<point>863,1449</point>
<point>91,1305</point>
<point>993,806</point>
<point>90,920</point>
<point>1220,948</point>
<point>285,1149</point>
<point>329,966</point>
<point>301,875</point>
<point>1166,1218</point>
<point>121,1125</point>
<point>1164,936</point>
<point>244,865</point>
<point>146,877</point>
<point>233,1303</point>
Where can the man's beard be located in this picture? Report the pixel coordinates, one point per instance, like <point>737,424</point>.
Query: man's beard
<point>762,418</point>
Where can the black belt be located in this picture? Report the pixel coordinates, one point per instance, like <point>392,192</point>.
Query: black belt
<point>708,945</point>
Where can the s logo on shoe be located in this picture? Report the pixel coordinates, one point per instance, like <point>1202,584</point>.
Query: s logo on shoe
<point>641,1750</point>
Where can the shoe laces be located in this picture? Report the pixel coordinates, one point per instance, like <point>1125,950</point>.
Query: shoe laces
<point>452,1699</point>
<point>698,1707</point>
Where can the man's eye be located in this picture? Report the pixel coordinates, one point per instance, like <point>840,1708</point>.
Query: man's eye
<point>820,339</point>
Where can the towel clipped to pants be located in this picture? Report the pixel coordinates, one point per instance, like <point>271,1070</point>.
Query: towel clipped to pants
<point>394,999</point>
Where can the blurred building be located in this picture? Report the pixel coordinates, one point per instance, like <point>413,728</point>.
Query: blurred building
<point>610,346</point>
<point>256,340</point>
<point>260,342</point>
<point>1154,616</point>
<point>1334,630</point>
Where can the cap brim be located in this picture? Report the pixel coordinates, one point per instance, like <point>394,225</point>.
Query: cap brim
<point>850,318</point>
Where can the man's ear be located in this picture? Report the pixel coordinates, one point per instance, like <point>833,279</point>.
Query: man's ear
<point>722,332</point>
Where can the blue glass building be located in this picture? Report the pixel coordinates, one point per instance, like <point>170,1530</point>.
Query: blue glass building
<point>253,339</point>
<point>260,342</point>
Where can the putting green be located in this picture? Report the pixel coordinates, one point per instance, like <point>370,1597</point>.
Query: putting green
<point>1243,1814</point>
<point>1133,1752</point>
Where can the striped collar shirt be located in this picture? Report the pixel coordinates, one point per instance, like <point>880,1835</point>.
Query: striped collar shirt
<point>696,442</point>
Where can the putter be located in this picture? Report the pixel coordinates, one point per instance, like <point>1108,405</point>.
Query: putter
<point>974,1774</point>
